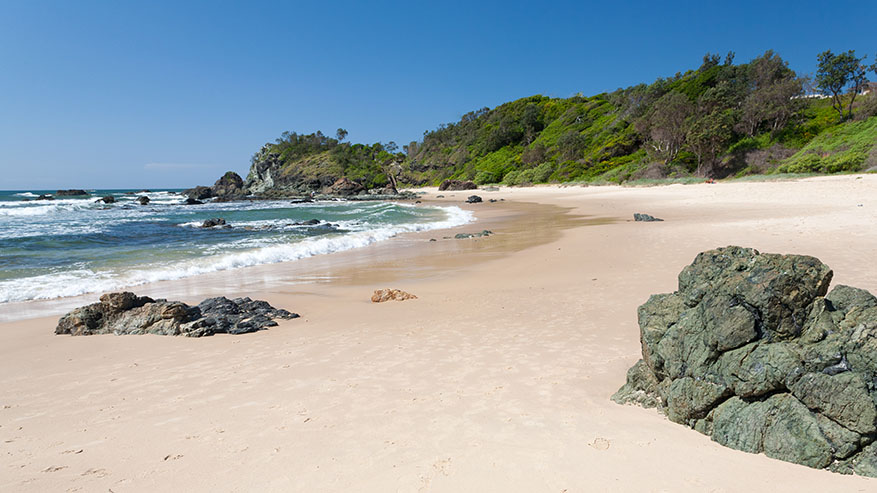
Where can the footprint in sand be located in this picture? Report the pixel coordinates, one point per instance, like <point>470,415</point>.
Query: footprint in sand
<point>54,468</point>
<point>600,443</point>
<point>101,473</point>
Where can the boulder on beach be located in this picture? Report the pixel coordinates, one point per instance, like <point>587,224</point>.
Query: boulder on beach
<point>126,313</point>
<point>755,352</point>
<point>473,199</point>
<point>640,217</point>
<point>463,236</point>
<point>382,295</point>
<point>454,185</point>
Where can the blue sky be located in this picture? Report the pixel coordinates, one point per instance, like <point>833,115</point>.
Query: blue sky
<point>152,94</point>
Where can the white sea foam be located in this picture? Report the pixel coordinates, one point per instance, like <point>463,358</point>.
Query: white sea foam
<point>72,283</point>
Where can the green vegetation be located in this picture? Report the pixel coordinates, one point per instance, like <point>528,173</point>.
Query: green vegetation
<point>717,121</point>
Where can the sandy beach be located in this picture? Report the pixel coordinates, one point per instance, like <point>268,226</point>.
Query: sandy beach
<point>497,378</point>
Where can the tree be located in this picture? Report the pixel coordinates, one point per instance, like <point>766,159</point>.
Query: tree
<point>773,87</point>
<point>665,126</point>
<point>836,73</point>
<point>707,136</point>
<point>340,134</point>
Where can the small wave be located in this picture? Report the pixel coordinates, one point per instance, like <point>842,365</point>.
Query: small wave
<point>73,283</point>
<point>25,194</point>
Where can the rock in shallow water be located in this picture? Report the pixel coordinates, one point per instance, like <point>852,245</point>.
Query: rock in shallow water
<point>753,351</point>
<point>126,313</point>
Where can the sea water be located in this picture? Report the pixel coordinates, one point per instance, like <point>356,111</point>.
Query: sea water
<point>76,245</point>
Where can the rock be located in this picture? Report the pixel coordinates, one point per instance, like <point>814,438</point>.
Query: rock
<point>216,221</point>
<point>473,199</point>
<point>754,351</point>
<point>439,196</point>
<point>143,199</point>
<point>109,199</point>
<point>455,185</point>
<point>191,201</point>
<point>492,200</point>
<point>199,193</point>
<point>344,187</point>
<point>382,295</point>
<point>309,222</point>
<point>45,197</point>
<point>463,236</point>
<point>645,217</point>
<point>126,313</point>
<point>230,186</point>
<point>73,192</point>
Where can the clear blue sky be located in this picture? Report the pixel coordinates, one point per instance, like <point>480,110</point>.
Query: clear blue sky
<point>151,94</point>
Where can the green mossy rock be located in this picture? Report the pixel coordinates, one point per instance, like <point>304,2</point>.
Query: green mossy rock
<point>754,351</point>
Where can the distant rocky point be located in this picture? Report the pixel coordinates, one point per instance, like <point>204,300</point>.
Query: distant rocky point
<point>753,351</point>
<point>126,313</point>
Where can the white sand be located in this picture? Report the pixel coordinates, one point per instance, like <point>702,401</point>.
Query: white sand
<point>496,379</point>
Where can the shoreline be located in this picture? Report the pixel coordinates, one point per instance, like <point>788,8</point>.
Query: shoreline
<point>497,378</point>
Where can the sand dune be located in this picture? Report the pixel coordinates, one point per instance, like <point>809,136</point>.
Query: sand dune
<point>497,378</point>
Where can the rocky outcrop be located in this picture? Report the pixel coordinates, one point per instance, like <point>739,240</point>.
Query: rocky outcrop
<point>73,192</point>
<point>109,199</point>
<point>229,187</point>
<point>640,217</point>
<point>455,185</point>
<point>199,193</point>
<point>382,295</point>
<point>126,313</point>
<point>343,187</point>
<point>754,351</point>
<point>44,197</point>
<point>463,236</point>
<point>191,201</point>
<point>143,199</point>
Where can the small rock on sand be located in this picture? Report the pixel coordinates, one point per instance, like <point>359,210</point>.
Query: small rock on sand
<point>382,295</point>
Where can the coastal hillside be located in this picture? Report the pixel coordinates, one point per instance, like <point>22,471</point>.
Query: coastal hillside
<point>719,120</point>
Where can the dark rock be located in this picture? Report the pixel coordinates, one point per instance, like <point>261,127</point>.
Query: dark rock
<point>463,236</point>
<point>199,193</point>
<point>229,186</point>
<point>143,199</point>
<point>191,201</point>
<point>126,313</point>
<point>216,221</point>
<point>645,217</point>
<point>439,196</point>
<point>74,192</point>
<point>303,200</point>
<point>492,200</point>
<point>473,199</point>
<point>109,199</point>
<point>309,222</point>
<point>753,351</point>
<point>45,197</point>
<point>455,185</point>
<point>344,187</point>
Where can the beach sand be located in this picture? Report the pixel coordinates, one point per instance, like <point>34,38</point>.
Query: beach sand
<point>497,378</point>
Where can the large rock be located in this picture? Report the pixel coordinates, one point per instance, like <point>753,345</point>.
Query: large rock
<point>229,187</point>
<point>126,313</point>
<point>455,185</point>
<point>754,351</point>
<point>199,193</point>
<point>73,192</point>
<point>344,187</point>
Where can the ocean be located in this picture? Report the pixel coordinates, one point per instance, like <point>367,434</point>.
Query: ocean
<point>75,245</point>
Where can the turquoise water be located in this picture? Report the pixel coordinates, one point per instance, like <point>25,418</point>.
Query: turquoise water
<point>73,245</point>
